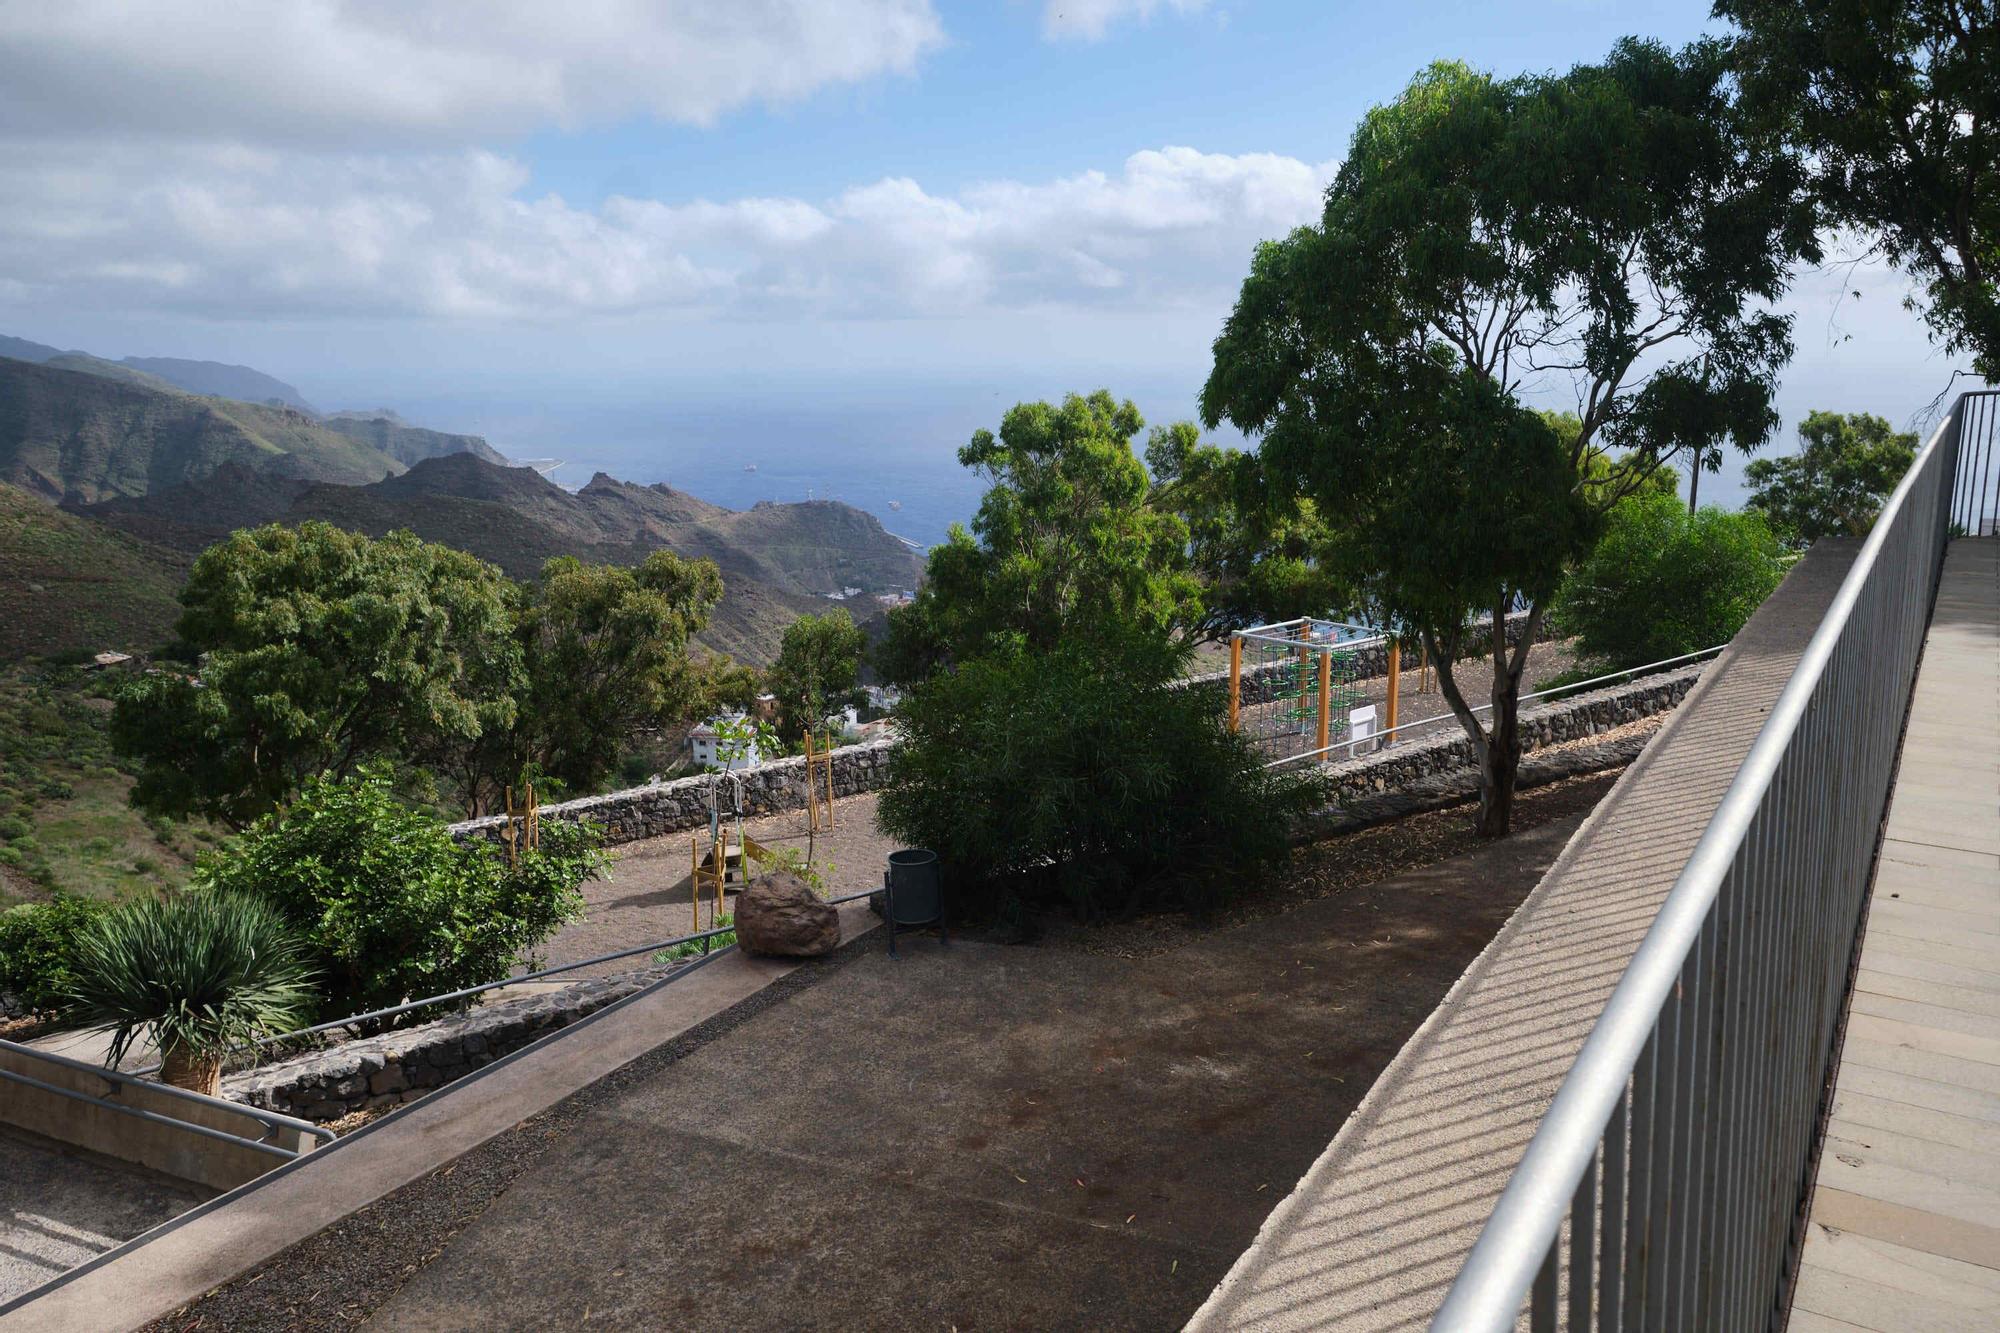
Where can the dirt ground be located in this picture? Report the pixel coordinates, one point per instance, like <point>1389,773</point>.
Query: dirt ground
<point>646,897</point>
<point>1083,1132</point>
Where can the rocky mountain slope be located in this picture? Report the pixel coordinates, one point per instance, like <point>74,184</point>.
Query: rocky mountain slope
<point>70,584</point>
<point>80,430</point>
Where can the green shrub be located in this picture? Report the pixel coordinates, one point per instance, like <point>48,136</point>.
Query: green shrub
<point>1082,775</point>
<point>1662,582</point>
<point>13,826</point>
<point>38,949</point>
<point>197,971</point>
<point>391,907</point>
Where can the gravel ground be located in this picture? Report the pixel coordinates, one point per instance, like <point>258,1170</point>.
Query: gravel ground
<point>60,1205</point>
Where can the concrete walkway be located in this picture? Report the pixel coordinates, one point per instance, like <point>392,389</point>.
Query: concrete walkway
<point>1377,1230</point>
<point>1905,1224</point>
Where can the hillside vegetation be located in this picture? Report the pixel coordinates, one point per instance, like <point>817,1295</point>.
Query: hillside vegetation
<point>69,584</point>
<point>777,561</point>
<point>80,430</point>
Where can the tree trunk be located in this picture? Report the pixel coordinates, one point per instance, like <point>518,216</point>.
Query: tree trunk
<point>1501,768</point>
<point>195,1070</point>
<point>1694,481</point>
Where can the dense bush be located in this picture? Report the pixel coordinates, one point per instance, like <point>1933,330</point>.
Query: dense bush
<point>391,907</point>
<point>1082,774</point>
<point>38,949</point>
<point>1662,582</point>
<point>196,972</point>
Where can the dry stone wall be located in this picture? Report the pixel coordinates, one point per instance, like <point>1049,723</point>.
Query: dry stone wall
<point>680,805</point>
<point>403,1065</point>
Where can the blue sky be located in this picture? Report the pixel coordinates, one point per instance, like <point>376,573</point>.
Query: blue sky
<point>584,228</point>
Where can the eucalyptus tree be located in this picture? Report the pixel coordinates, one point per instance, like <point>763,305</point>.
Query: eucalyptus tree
<point>1896,104</point>
<point>1613,234</point>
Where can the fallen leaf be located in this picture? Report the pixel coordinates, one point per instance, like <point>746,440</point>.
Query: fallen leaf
<point>1128,1221</point>
<point>1023,1179</point>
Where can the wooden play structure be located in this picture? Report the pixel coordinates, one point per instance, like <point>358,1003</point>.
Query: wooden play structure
<point>523,830</point>
<point>819,785</point>
<point>1295,692</point>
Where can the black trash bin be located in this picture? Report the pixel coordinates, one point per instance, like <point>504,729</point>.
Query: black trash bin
<point>912,894</point>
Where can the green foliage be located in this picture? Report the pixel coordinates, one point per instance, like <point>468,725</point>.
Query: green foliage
<point>1835,485</point>
<point>196,971</point>
<point>697,948</point>
<point>1662,582</point>
<point>1258,550</point>
<point>325,651</point>
<point>1064,541</point>
<point>1081,772</point>
<point>1897,105</point>
<point>603,649</point>
<point>38,949</point>
<point>1612,227</point>
<point>818,672</point>
<point>391,907</point>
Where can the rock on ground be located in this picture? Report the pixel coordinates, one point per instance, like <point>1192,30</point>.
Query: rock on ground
<point>779,915</point>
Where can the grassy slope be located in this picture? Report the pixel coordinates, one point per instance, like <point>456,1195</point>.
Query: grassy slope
<point>70,583</point>
<point>64,819</point>
<point>66,434</point>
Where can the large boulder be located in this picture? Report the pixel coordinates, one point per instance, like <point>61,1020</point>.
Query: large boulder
<point>780,916</point>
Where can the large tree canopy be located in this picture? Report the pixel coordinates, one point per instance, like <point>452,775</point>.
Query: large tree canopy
<point>818,672</point>
<point>1611,231</point>
<point>322,651</point>
<point>1897,105</point>
<point>1063,538</point>
<point>1835,485</point>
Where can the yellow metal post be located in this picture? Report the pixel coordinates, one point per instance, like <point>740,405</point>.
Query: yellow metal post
<point>694,882</point>
<point>1325,698</point>
<point>1395,680</point>
<point>1235,681</point>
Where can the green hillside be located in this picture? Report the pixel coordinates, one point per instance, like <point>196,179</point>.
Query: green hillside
<point>409,444</point>
<point>68,435</point>
<point>777,561</point>
<point>70,584</point>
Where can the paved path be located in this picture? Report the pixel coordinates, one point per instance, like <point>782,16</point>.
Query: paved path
<point>1376,1231</point>
<point>1905,1224</point>
<point>60,1206</point>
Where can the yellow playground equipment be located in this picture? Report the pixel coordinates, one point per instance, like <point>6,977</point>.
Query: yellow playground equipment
<point>819,786</point>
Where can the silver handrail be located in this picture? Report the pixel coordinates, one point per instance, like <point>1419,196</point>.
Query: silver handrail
<point>1694,1099</point>
<point>271,1120</point>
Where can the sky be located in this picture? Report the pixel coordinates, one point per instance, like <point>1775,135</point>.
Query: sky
<point>581,227</point>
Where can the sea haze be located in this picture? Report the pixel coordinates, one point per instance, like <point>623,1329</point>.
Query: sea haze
<point>869,450</point>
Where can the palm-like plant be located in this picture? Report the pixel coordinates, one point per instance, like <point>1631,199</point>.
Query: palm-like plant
<point>198,971</point>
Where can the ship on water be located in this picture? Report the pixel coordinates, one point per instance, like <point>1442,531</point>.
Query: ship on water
<point>749,467</point>
<point>896,504</point>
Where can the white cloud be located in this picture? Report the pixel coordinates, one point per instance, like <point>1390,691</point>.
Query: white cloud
<point>1092,20</point>
<point>377,72</point>
<point>235,233</point>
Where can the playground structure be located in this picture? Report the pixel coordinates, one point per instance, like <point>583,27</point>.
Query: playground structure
<point>523,830</point>
<point>819,785</point>
<point>1295,690</point>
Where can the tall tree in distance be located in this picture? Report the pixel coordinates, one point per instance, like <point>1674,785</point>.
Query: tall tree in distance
<point>1063,538</point>
<point>818,672</point>
<point>1257,551</point>
<point>604,650</point>
<point>1612,229</point>
<point>322,651</point>
<point>1836,483</point>
<point>1896,103</point>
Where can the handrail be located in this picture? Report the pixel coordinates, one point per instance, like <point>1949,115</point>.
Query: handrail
<point>271,1120</point>
<point>466,993</point>
<point>152,1117</point>
<point>1517,1249</point>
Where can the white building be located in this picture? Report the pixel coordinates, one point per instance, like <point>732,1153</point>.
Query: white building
<point>707,745</point>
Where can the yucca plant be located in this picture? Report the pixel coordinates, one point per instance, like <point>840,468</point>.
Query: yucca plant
<point>197,971</point>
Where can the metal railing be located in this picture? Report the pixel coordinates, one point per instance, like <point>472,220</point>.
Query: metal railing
<point>1664,1186</point>
<point>272,1121</point>
<point>701,937</point>
<point>1449,719</point>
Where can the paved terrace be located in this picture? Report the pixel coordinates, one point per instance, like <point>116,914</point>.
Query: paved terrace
<point>1905,1225</point>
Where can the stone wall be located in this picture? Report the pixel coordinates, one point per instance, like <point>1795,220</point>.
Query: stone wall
<point>1572,717</point>
<point>403,1065</point>
<point>680,805</point>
